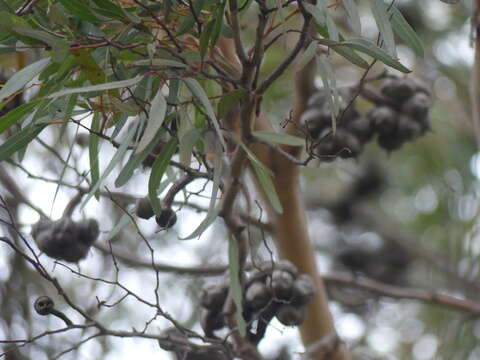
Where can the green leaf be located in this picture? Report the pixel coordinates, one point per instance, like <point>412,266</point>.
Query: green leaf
<point>353,17</point>
<point>93,150</point>
<point>205,38</point>
<point>125,143</point>
<point>19,140</point>
<point>235,284</point>
<point>22,77</point>
<point>217,28</point>
<point>405,32</point>
<point>307,55</point>
<point>16,114</point>
<point>108,8</point>
<point>316,12</point>
<point>187,142</point>
<point>156,116</point>
<point>89,66</point>
<point>380,14</point>
<point>279,138</point>
<point>330,84</point>
<point>79,9</point>
<point>368,47</point>
<point>229,100</point>
<point>159,63</point>
<point>158,169</point>
<point>99,87</point>
<point>265,179</point>
<point>198,92</point>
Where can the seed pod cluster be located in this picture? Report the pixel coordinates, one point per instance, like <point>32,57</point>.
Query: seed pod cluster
<point>65,239</point>
<point>352,131</point>
<point>404,115</point>
<point>271,290</point>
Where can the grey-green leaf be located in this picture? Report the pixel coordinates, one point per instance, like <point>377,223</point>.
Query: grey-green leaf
<point>278,138</point>
<point>353,17</point>
<point>265,179</point>
<point>156,116</point>
<point>15,115</point>
<point>368,47</point>
<point>160,63</point>
<point>198,92</point>
<point>405,32</point>
<point>19,140</point>
<point>22,77</point>
<point>380,14</point>
<point>99,87</point>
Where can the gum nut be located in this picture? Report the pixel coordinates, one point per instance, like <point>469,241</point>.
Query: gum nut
<point>397,89</point>
<point>383,119</point>
<point>144,208</point>
<point>408,129</point>
<point>417,106</point>
<point>287,266</point>
<point>420,86</point>
<point>303,289</point>
<point>213,296</point>
<point>313,121</point>
<point>166,219</point>
<point>43,305</point>
<point>317,99</point>
<point>211,321</point>
<point>88,231</point>
<point>360,127</point>
<point>348,145</point>
<point>390,142</point>
<point>282,283</point>
<point>290,315</point>
<point>257,295</point>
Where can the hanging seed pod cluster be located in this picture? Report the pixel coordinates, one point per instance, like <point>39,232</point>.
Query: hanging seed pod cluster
<point>65,239</point>
<point>271,290</point>
<point>400,114</point>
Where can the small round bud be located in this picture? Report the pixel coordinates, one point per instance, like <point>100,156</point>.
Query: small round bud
<point>166,219</point>
<point>397,89</point>
<point>303,289</point>
<point>257,295</point>
<point>291,315</point>
<point>383,119</point>
<point>213,296</point>
<point>417,106</point>
<point>43,305</point>
<point>361,127</point>
<point>408,129</point>
<point>144,208</point>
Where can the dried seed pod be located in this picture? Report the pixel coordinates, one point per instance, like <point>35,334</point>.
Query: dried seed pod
<point>44,305</point>
<point>397,89</point>
<point>390,142</point>
<point>257,296</point>
<point>383,119</point>
<point>361,127</point>
<point>211,321</point>
<point>408,129</point>
<point>213,296</point>
<point>417,106</point>
<point>303,289</point>
<point>281,284</point>
<point>144,208</point>
<point>317,99</point>
<point>166,219</point>
<point>88,231</point>
<point>286,265</point>
<point>315,120</point>
<point>342,143</point>
<point>290,315</point>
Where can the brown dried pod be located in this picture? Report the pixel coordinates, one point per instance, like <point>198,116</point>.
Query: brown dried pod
<point>314,121</point>
<point>290,315</point>
<point>88,231</point>
<point>408,129</point>
<point>317,99</point>
<point>383,119</point>
<point>257,295</point>
<point>44,305</point>
<point>361,127</point>
<point>397,89</point>
<point>342,143</point>
<point>166,219</point>
<point>303,289</point>
<point>286,265</point>
<point>390,142</point>
<point>211,321</point>
<point>281,284</point>
<point>144,208</point>
<point>213,296</point>
<point>417,106</point>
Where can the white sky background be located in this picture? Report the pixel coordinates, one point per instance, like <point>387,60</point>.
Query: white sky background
<point>384,337</point>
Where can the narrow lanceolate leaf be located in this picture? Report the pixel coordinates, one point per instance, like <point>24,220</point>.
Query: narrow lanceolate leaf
<point>329,83</point>
<point>160,63</point>
<point>158,169</point>
<point>93,150</point>
<point>79,9</point>
<point>121,224</point>
<point>307,55</point>
<point>316,12</point>
<point>19,140</point>
<point>235,284</point>
<point>156,116</point>
<point>353,17</point>
<point>368,47</point>
<point>278,138</point>
<point>99,87</point>
<point>22,77</point>
<point>15,115</point>
<point>187,143</point>
<point>405,32</point>
<point>200,94</point>
<point>380,14</point>
<point>265,179</point>
<point>115,160</point>
<point>228,101</point>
